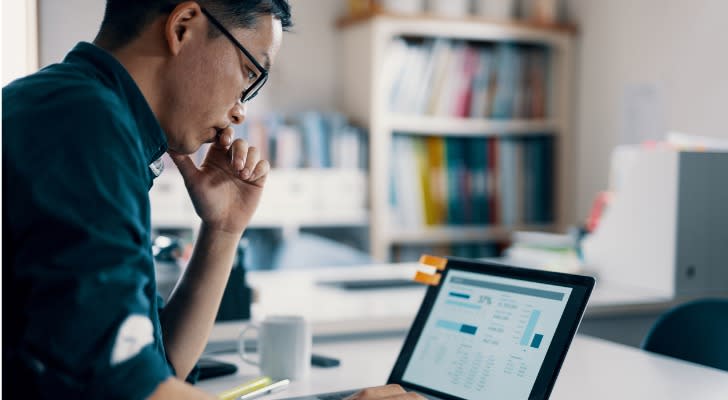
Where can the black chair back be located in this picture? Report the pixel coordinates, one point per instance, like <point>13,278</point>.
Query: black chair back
<point>696,331</point>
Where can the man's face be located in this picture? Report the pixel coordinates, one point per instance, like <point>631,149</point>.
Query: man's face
<point>205,80</point>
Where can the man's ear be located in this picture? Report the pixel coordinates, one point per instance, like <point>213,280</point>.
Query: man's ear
<point>185,21</point>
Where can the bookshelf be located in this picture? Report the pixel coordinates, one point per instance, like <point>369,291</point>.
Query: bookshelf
<point>367,97</point>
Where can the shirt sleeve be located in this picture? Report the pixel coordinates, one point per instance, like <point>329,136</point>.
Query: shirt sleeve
<point>84,251</point>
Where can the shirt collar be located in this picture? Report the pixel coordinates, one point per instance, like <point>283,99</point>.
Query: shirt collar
<point>113,74</point>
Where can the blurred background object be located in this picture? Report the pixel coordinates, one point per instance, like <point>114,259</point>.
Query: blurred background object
<point>547,251</point>
<point>238,296</point>
<point>411,7</point>
<point>449,8</point>
<point>503,10</point>
<point>170,257</point>
<point>664,228</point>
<point>541,11</point>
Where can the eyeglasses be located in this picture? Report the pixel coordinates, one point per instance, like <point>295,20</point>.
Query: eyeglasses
<point>253,89</point>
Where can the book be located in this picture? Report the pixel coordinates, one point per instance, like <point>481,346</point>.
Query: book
<point>478,207</point>
<point>456,192</point>
<point>507,179</point>
<point>428,203</point>
<point>506,81</point>
<point>315,140</point>
<point>437,171</point>
<point>481,85</point>
<point>408,207</point>
<point>464,92</point>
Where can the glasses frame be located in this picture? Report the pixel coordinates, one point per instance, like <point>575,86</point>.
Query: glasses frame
<point>253,89</point>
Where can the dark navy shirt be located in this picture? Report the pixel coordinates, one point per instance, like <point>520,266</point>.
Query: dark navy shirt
<point>80,304</point>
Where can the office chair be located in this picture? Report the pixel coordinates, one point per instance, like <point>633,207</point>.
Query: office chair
<point>696,331</point>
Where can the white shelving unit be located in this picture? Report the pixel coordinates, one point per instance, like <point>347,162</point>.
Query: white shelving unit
<point>364,97</point>
<point>292,199</point>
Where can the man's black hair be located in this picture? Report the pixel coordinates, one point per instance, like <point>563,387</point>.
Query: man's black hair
<point>124,20</point>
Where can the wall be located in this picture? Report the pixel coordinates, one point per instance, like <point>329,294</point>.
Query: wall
<point>62,24</point>
<point>19,35</point>
<point>643,67</point>
<point>303,77</point>
<point>306,72</point>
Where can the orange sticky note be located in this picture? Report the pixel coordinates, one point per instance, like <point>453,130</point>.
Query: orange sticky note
<point>427,279</point>
<point>438,262</point>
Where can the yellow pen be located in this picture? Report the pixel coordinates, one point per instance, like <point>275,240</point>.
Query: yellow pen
<point>245,388</point>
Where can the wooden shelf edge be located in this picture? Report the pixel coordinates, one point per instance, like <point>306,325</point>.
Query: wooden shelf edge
<point>459,234</point>
<point>351,20</point>
<point>467,126</point>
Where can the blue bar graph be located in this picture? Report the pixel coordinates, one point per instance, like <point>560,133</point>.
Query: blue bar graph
<point>469,329</point>
<point>466,305</point>
<point>460,295</point>
<point>530,327</point>
<point>457,327</point>
<point>536,340</point>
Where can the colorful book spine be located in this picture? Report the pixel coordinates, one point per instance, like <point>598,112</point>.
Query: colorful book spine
<point>473,181</point>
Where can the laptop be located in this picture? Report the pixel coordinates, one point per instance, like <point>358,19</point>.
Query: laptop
<point>489,331</point>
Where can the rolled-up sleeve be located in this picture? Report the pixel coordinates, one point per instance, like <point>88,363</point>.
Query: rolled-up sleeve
<point>83,250</point>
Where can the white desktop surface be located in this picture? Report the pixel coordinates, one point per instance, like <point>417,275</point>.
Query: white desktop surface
<point>334,311</point>
<point>594,369</point>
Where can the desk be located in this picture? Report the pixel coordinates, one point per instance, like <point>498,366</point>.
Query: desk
<point>337,312</point>
<point>593,369</point>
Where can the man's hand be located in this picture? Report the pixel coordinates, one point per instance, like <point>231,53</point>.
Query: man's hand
<point>388,392</point>
<point>226,188</point>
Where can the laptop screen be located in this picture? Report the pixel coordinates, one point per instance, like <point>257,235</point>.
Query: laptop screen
<point>487,335</point>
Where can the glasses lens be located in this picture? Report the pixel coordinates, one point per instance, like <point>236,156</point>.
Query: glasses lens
<point>255,88</point>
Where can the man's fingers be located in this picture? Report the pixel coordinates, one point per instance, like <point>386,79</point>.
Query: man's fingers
<point>224,138</point>
<point>219,150</point>
<point>405,396</point>
<point>398,396</point>
<point>250,163</point>
<point>238,154</point>
<point>185,165</point>
<point>409,396</point>
<point>379,392</point>
<point>260,172</point>
<point>244,160</point>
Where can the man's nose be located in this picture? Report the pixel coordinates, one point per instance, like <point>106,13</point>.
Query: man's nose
<point>238,112</point>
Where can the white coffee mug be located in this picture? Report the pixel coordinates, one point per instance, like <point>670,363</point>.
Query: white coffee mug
<point>284,347</point>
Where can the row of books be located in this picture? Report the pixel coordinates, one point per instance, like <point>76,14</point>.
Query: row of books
<point>306,140</point>
<point>448,78</point>
<point>412,253</point>
<point>472,181</point>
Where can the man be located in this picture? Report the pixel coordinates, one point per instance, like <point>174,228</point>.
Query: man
<point>81,146</point>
